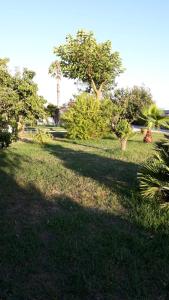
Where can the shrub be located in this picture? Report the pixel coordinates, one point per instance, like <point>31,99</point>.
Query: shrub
<point>153,117</point>
<point>5,138</point>
<point>154,174</point>
<point>123,130</point>
<point>42,136</point>
<point>88,117</point>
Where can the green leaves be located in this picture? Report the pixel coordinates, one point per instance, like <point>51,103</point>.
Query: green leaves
<point>19,96</point>
<point>55,70</point>
<point>132,101</point>
<point>123,129</point>
<point>82,58</point>
<point>88,117</point>
<point>154,174</point>
<point>42,136</point>
<point>154,117</point>
<point>5,139</point>
<point>8,103</point>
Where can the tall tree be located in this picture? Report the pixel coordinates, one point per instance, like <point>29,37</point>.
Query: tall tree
<point>55,71</point>
<point>31,105</point>
<point>8,97</point>
<point>83,58</point>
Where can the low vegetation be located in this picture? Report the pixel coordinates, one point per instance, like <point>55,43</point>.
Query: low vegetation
<point>42,136</point>
<point>154,118</point>
<point>123,130</point>
<point>88,117</point>
<point>73,225</point>
<point>154,174</point>
<point>5,139</point>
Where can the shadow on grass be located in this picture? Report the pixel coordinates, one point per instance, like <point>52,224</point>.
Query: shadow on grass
<point>115,174</point>
<point>74,142</point>
<point>58,134</point>
<point>106,148</point>
<point>57,249</point>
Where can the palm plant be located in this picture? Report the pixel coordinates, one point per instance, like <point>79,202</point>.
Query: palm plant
<point>154,118</point>
<point>154,174</point>
<point>123,131</point>
<point>55,71</point>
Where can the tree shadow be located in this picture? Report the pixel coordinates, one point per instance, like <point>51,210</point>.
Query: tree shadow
<point>58,249</point>
<point>74,142</point>
<point>102,148</point>
<point>58,134</point>
<point>115,174</point>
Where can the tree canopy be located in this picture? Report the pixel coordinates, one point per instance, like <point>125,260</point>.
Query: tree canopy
<point>84,59</point>
<point>132,101</point>
<point>19,97</point>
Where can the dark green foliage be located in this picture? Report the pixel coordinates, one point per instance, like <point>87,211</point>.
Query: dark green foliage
<point>5,139</point>
<point>88,117</point>
<point>123,129</point>
<point>154,174</point>
<point>53,111</point>
<point>132,101</point>
<point>120,125</point>
<point>128,105</point>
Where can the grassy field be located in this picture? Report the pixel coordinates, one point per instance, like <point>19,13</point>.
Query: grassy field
<point>73,226</point>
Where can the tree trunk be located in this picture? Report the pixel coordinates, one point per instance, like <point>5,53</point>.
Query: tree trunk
<point>98,92</point>
<point>123,143</point>
<point>21,126</point>
<point>58,79</point>
<point>148,137</point>
<point>58,92</point>
<point>144,131</point>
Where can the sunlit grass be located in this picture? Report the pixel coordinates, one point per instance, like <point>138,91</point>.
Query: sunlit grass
<point>73,225</point>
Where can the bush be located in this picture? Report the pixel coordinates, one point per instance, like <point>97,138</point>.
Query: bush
<point>5,139</point>
<point>123,130</point>
<point>154,174</point>
<point>42,136</point>
<point>88,117</point>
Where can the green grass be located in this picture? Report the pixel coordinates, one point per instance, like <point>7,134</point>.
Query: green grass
<point>73,225</point>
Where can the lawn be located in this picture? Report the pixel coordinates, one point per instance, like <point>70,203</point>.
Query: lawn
<point>74,227</point>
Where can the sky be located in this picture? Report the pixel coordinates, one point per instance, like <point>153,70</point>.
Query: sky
<point>138,30</point>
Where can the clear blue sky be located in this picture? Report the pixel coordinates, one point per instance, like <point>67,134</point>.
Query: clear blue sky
<point>139,30</point>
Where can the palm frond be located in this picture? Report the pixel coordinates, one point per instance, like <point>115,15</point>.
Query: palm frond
<point>154,174</point>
